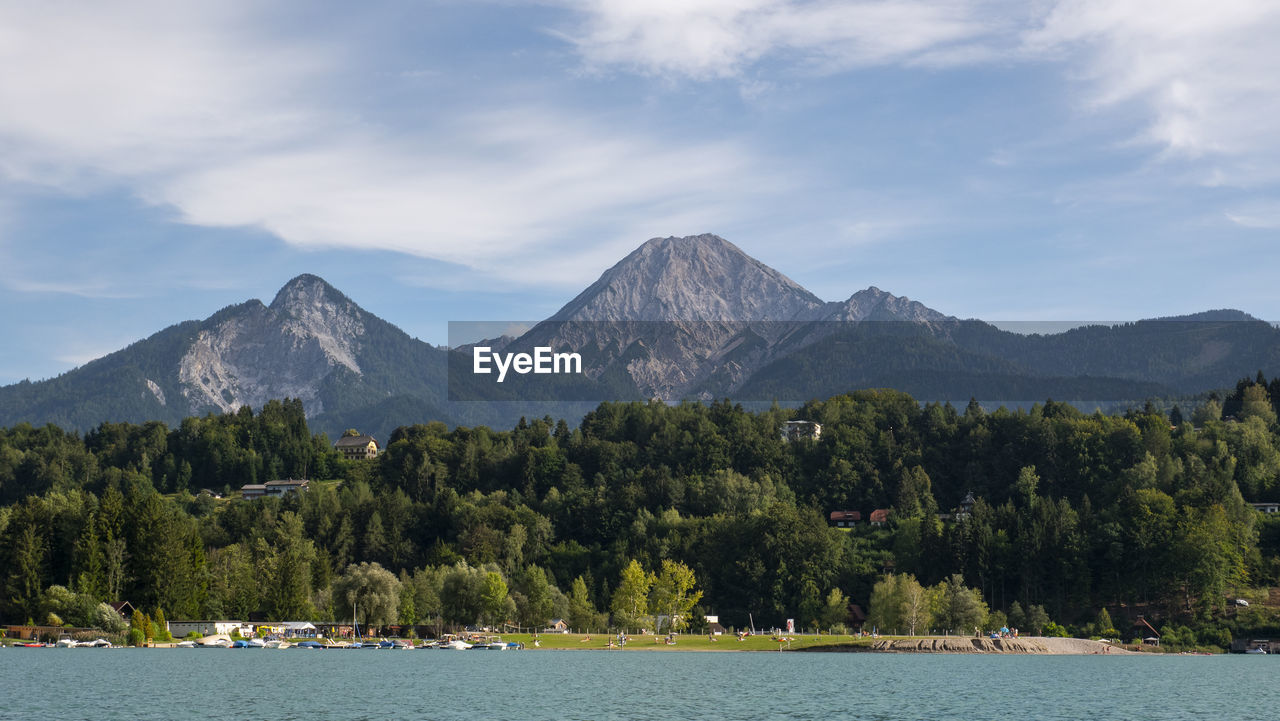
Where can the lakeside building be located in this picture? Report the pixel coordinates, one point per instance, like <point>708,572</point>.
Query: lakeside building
<point>1145,631</point>
<point>124,608</point>
<point>357,448</point>
<point>205,628</point>
<point>278,489</point>
<point>45,633</point>
<point>845,519</point>
<point>801,430</point>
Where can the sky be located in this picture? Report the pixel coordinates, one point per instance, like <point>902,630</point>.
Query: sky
<point>1026,160</point>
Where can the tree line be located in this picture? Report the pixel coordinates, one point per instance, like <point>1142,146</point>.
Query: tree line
<point>1074,513</point>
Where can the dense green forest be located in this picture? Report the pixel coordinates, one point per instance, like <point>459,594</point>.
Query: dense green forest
<point>1075,514</point>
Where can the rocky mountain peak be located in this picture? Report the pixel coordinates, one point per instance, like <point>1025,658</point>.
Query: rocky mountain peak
<point>282,350</point>
<point>701,277</point>
<point>305,291</point>
<point>876,304</point>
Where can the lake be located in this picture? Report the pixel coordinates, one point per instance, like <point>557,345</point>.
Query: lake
<point>182,684</point>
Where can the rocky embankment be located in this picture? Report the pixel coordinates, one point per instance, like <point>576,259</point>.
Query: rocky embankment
<point>955,644</point>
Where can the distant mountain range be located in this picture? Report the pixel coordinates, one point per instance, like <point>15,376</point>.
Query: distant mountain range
<point>311,342</point>
<point>698,318</point>
<point>678,318</point>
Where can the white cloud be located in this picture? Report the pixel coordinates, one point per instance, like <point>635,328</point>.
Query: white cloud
<point>1201,74</point>
<point>1205,72</point>
<point>497,185</point>
<point>194,105</point>
<point>210,109</point>
<point>705,39</point>
<point>142,87</point>
<point>1261,216</point>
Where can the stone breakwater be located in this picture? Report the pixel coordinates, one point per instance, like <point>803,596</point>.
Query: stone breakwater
<point>961,645</point>
<point>955,644</point>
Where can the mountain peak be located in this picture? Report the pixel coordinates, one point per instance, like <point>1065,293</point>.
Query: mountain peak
<point>876,304</point>
<point>699,277</point>
<point>306,289</point>
<point>1211,316</point>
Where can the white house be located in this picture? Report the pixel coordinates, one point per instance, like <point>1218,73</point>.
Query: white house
<point>204,628</point>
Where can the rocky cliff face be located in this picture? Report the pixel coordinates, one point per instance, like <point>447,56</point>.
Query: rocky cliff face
<point>677,318</point>
<point>696,316</point>
<point>876,305</point>
<point>698,278</point>
<point>284,350</point>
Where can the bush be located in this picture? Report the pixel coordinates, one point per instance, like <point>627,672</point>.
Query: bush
<point>135,637</point>
<point>106,618</point>
<point>1219,637</point>
<point>1053,630</point>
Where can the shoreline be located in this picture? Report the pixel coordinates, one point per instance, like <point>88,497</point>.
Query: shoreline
<point>1029,646</point>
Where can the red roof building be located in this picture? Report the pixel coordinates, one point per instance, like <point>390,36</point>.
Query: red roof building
<point>845,519</point>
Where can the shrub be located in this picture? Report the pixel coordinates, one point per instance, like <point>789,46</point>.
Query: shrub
<point>106,618</point>
<point>1053,630</point>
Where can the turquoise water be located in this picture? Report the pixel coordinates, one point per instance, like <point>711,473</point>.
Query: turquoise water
<point>103,684</point>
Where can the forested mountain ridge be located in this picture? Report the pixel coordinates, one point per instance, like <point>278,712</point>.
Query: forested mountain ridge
<point>1075,513</point>
<point>698,318</point>
<point>678,318</point>
<point>311,343</point>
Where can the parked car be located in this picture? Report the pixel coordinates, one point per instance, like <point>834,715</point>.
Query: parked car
<point>1241,602</point>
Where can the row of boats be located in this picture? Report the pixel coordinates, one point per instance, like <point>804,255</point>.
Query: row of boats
<point>452,643</point>
<point>65,642</point>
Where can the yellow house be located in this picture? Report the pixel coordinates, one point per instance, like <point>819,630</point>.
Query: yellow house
<point>357,447</point>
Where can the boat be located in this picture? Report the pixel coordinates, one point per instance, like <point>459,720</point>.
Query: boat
<point>256,643</point>
<point>186,644</point>
<point>495,643</point>
<point>278,643</point>
<point>240,644</point>
<point>308,645</point>
<point>66,642</point>
<point>456,644</point>
<point>1256,650</point>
